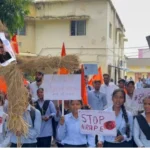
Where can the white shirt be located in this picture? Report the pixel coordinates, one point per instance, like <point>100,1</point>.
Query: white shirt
<point>121,126</point>
<point>5,135</point>
<point>69,133</point>
<point>131,105</point>
<point>139,137</point>
<point>108,90</point>
<point>148,81</point>
<point>139,85</point>
<point>33,90</point>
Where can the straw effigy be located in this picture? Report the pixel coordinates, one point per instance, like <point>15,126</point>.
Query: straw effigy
<point>16,91</point>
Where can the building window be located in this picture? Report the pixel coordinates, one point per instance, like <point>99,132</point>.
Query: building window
<point>110,30</point>
<point>22,31</point>
<point>78,28</point>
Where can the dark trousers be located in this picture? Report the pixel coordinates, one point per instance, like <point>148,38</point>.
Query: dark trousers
<point>74,146</point>
<point>30,145</point>
<point>59,145</point>
<point>96,140</point>
<point>117,145</point>
<point>44,142</point>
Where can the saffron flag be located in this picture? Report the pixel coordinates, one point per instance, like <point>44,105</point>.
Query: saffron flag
<point>83,88</point>
<point>14,44</point>
<point>63,53</point>
<point>98,76</point>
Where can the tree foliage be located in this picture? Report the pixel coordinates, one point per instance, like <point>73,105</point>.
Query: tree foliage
<point>12,13</point>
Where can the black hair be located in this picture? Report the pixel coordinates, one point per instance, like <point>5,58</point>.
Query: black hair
<point>97,81</point>
<point>39,90</point>
<point>77,71</point>
<point>39,72</point>
<point>122,80</point>
<point>124,111</point>
<point>2,98</point>
<point>77,100</point>
<point>106,75</point>
<point>130,82</point>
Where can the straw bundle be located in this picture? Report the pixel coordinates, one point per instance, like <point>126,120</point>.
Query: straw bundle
<point>48,64</point>
<point>18,99</point>
<point>18,94</point>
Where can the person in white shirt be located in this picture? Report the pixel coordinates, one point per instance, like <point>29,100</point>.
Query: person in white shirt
<point>124,123</point>
<point>96,99</point>
<point>142,125</point>
<point>139,84</point>
<point>112,82</point>
<point>148,82</point>
<point>68,131</point>
<point>130,103</point>
<point>108,89</point>
<point>34,86</point>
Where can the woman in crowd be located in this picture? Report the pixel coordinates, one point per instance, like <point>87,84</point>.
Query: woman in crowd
<point>124,123</point>
<point>66,111</point>
<point>68,131</point>
<point>142,126</point>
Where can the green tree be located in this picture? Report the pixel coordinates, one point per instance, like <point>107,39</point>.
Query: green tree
<point>12,13</point>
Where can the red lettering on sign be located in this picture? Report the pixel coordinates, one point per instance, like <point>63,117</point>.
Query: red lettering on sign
<point>101,118</point>
<point>101,129</point>
<point>83,118</point>
<point>95,120</point>
<point>95,127</point>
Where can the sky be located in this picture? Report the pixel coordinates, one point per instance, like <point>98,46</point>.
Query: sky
<point>135,15</point>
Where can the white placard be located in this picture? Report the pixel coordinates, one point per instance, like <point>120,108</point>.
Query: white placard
<point>62,87</point>
<point>90,69</point>
<point>7,49</point>
<point>138,97</point>
<point>97,122</point>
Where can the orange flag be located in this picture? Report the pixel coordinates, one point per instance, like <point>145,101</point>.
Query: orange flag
<point>63,53</point>
<point>98,76</point>
<point>14,44</point>
<point>83,88</point>
<point>3,86</point>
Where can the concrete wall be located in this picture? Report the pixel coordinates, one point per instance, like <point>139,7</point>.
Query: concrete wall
<point>46,37</point>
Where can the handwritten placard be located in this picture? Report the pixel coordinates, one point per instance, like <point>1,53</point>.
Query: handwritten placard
<point>97,122</point>
<point>139,95</point>
<point>8,51</point>
<point>90,69</point>
<point>62,87</point>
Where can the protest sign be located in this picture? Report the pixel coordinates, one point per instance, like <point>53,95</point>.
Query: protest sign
<point>139,95</point>
<point>6,53</point>
<point>62,87</point>
<point>97,122</point>
<point>90,69</point>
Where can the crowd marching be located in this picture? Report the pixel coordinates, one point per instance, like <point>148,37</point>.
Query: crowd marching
<point>47,125</point>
